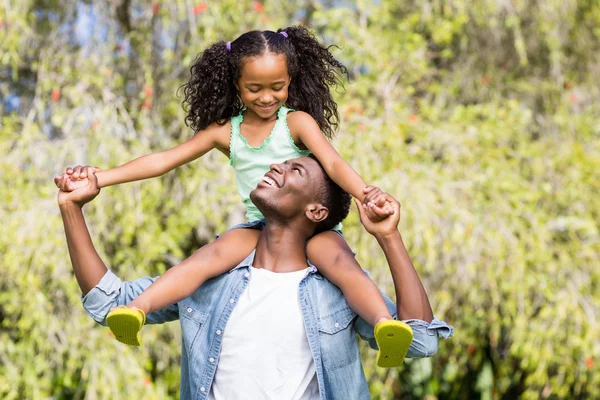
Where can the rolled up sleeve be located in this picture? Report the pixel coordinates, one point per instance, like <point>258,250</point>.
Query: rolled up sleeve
<point>112,292</point>
<point>425,334</point>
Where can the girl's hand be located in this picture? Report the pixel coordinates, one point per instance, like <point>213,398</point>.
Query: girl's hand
<point>384,227</point>
<point>74,178</point>
<point>80,171</point>
<point>378,203</point>
<point>82,194</point>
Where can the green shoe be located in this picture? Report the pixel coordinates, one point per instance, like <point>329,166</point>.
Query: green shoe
<point>393,338</point>
<point>126,323</point>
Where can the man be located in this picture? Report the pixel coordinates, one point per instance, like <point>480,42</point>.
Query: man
<point>272,327</point>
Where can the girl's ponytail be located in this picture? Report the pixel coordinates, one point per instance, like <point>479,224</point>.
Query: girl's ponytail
<point>210,94</point>
<point>314,72</point>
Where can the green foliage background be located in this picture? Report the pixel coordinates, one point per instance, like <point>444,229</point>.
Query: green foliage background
<point>481,116</point>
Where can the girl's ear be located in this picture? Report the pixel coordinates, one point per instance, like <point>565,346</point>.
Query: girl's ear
<point>316,212</point>
<point>237,85</point>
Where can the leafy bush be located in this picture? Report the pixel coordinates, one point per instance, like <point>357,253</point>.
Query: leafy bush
<point>480,116</point>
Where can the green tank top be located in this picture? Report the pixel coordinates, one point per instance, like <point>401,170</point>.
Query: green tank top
<point>252,163</point>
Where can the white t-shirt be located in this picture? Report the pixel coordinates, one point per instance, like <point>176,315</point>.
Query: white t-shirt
<point>265,352</point>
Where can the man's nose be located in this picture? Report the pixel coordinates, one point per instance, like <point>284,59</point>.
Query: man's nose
<point>277,168</point>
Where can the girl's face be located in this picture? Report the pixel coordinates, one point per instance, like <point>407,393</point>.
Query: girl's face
<point>264,83</point>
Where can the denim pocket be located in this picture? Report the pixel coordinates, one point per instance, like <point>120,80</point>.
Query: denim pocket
<point>191,321</point>
<point>338,339</point>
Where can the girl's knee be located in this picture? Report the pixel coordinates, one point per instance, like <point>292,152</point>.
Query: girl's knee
<point>328,248</point>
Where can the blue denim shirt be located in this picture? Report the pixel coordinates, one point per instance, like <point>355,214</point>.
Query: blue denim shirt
<point>331,327</point>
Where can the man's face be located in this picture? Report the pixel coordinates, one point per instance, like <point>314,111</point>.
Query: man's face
<point>289,188</point>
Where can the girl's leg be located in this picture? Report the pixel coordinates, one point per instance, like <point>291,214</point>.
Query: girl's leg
<point>182,280</point>
<point>334,259</point>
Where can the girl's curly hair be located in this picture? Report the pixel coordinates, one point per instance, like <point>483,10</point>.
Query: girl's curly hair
<point>210,95</point>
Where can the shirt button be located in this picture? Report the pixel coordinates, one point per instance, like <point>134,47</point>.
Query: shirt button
<point>337,325</point>
<point>231,301</point>
<point>212,360</point>
<point>218,332</point>
<point>202,389</point>
<point>246,275</point>
<point>189,309</point>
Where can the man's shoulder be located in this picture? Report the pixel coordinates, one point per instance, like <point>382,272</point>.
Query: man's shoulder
<point>329,298</point>
<point>215,289</point>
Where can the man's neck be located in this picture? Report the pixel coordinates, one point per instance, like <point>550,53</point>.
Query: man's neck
<point>281,249</point>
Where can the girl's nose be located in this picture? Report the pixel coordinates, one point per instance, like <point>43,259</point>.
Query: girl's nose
<point>266,99</point>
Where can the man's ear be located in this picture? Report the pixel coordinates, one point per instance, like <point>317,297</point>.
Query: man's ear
<point>316,212</point>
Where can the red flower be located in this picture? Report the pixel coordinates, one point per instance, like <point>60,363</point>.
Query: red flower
<point>200,7</point>
<point>258,6</point>
<point>155,8</point>
<point>55,95</point>
<point>148,91</point>
<point>573,98</point>
<point>147,104</point>
<point>95,124</point>
<point>471,349</point>
<point>413,118</point>
<point>589,363</point>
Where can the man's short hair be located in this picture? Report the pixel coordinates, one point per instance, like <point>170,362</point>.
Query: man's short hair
<point>334,198</point>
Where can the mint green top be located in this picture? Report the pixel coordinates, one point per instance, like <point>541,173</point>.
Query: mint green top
<point>252,163</point>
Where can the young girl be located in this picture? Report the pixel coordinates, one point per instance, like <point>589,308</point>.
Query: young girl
<point>261,99</point>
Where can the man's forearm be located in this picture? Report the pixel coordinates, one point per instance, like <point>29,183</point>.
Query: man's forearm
<point>411,298</point>
<point>89,268</point>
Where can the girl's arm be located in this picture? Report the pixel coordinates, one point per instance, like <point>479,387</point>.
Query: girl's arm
<point>307,131</point>
<point>157,164</point>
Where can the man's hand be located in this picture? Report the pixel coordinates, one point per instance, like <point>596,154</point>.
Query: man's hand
<point>73,178</point>
<point>384,227</point>
<point>376,201</point>
<point>80,195</point>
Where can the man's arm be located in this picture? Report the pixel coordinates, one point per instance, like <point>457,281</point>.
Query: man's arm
<point>412,303</point>
<point>87,264</point>
<point>102,290</point>
<point>411,299</point>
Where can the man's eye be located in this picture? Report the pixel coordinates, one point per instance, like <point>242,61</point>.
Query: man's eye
<point>297,170</point>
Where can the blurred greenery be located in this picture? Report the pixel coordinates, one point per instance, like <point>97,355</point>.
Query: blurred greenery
<point>481,116</point>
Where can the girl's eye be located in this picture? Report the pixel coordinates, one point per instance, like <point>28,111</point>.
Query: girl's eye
<point>278,89</point>
<point>253,91</point>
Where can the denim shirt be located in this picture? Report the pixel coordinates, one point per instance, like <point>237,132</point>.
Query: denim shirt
<point>331,327</point>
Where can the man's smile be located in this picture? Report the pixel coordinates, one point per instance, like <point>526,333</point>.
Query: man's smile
<point>269,179</point>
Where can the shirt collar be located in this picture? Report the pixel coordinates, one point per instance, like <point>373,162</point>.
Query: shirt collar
<point>249,261</point>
